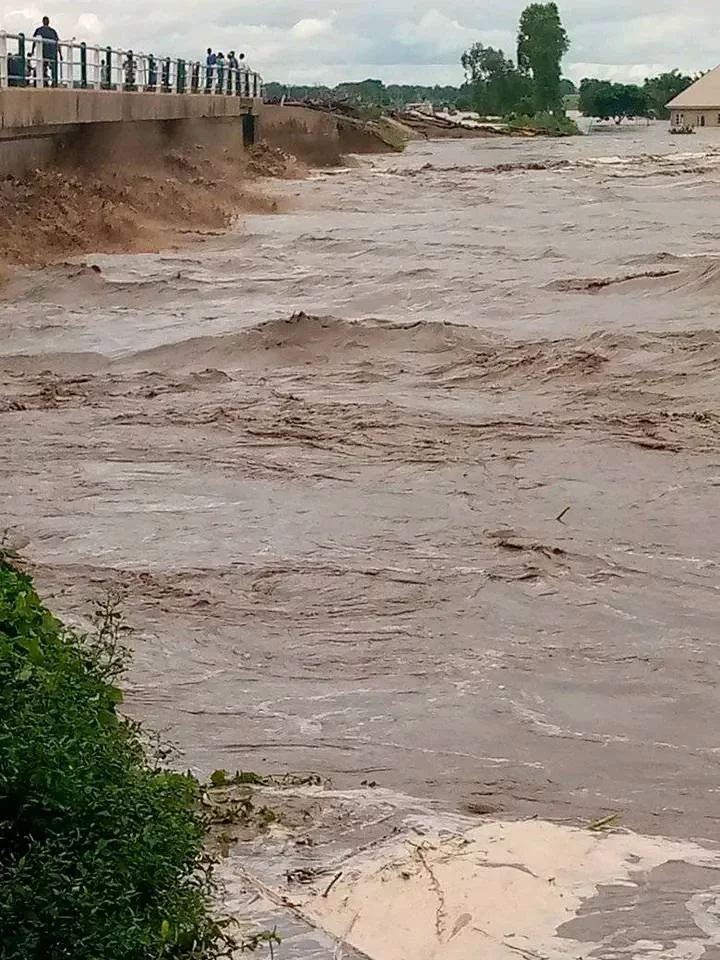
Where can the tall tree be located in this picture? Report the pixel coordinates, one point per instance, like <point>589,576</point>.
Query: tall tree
<point>542,43</point>
<point>498,86</point>
<point>665,87</point>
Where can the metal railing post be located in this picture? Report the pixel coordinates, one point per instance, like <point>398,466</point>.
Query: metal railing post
<point>60,62</point>
<point>3,59</point>
<point>130,72</point>
<point>107,78</point>
<point>21,62</point>
<point>55,65</point>
<point>152,73</point>
<point>37,66</point>
<point>83,66</point>
<point>165,81</point>
<point>97,68</point>
<point>180,86</point>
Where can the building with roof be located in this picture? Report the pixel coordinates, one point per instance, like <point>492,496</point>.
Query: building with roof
<point>699,105</point>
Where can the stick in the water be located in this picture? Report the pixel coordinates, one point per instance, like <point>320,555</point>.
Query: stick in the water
<point>332,883</point>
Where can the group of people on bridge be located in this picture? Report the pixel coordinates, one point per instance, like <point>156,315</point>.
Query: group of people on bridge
<point>225,73</point>
<point>221,74</point>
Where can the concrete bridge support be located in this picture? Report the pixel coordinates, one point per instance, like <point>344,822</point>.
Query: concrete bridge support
<point>40,126</point>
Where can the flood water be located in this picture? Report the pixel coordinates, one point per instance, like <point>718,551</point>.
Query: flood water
<point>415,483</point>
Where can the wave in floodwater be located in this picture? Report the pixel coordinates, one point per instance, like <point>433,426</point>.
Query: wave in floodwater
<point>634,164</point>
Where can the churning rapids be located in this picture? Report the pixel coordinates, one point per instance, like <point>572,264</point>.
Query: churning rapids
<point>418,483</point>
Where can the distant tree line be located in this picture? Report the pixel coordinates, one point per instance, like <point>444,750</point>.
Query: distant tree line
<point>602,98</point>
<point>374,93</point>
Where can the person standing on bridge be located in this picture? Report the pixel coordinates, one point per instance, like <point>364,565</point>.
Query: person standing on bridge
<point>50,50</point>
<point>243,77</point>
<point>220,61</point>
<point>233,65</point>
<point>210,62</point>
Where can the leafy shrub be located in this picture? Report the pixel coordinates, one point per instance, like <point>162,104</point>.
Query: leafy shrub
<point>547,123</point>
<point>100,849</point>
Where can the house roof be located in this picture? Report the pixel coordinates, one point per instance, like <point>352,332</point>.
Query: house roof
<point>704,94</point>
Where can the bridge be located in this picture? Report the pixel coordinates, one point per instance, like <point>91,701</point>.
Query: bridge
<point>54,96</point>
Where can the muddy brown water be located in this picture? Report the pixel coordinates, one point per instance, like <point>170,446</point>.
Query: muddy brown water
<point>455,528</point>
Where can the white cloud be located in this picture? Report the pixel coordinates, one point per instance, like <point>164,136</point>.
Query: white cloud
<point>435,31</point>
<point>311,27</point>
<point>89,25</point>
<point>394,40</point>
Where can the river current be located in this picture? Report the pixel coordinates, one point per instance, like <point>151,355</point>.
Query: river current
<point>417,482</point>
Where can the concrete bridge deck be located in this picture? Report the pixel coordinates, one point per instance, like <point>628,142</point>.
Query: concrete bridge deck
<point>24,109</point>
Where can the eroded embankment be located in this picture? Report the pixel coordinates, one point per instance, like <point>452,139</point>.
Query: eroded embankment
<point>134,207</point>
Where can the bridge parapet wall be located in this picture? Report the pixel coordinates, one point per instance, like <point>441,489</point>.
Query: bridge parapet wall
<point>25,109</point>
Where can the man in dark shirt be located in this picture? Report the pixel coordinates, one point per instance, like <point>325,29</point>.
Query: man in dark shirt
<point>210,62</point>
<point>51,51</point>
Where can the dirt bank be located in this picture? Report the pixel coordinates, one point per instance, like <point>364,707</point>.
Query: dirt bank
<point>115,208</point>
<point>323,138</point>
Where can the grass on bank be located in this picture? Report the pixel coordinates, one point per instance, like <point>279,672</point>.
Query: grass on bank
<point>101,850</point>
<point>545,123</point>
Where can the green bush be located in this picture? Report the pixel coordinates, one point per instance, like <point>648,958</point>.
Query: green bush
<point>547,123</point>
<point>101,850</point>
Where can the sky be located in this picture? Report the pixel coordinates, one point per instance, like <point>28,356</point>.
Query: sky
<point>398,41</point>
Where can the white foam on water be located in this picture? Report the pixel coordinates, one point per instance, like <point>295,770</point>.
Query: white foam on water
<point>498,891</point>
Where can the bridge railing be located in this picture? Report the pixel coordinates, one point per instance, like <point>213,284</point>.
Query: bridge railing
<point>34,62</point>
